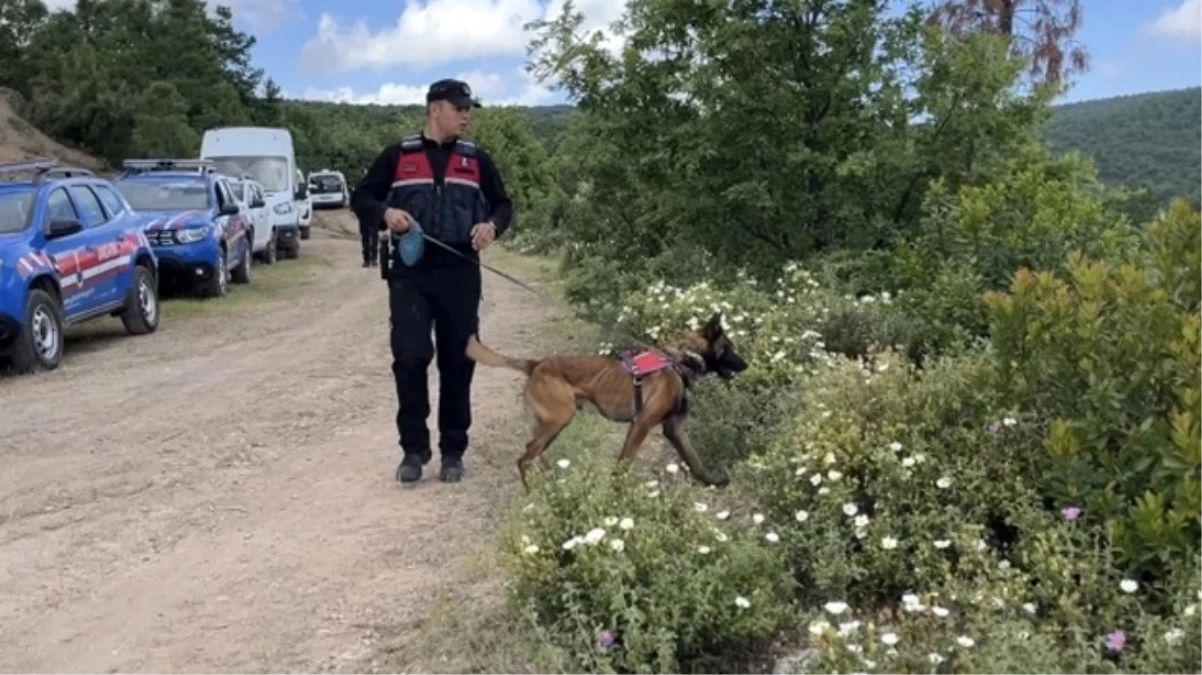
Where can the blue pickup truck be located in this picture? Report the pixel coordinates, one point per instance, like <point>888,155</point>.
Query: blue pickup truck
<point>200,234</point>
<point>71,250</point>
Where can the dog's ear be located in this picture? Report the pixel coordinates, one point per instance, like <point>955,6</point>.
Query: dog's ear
<point>712,330</point>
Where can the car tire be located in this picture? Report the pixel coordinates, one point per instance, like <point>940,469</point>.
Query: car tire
<point>141,314</point>
<point>241,273</point>
<point>40,344</point>
<point>270,252</point>
<point>218,286</point>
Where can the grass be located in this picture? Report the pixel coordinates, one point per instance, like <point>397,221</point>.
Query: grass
<point>269,283</point>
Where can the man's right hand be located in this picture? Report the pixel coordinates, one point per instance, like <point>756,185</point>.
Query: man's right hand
<point>397,220</point>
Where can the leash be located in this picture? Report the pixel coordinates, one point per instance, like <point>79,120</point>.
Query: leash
<point>386,258</point>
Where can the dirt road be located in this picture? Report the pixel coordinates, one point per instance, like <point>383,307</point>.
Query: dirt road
<point>219,496</point>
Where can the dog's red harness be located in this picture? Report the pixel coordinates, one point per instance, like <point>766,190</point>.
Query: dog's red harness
<point>644,363</point>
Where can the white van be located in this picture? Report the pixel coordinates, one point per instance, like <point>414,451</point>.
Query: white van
<point>328,188</point>
<point>266,155</point>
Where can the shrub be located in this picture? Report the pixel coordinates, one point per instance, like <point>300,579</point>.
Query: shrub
<point>912,506</point>
<point>1108,356</point>
<point>641,577</point>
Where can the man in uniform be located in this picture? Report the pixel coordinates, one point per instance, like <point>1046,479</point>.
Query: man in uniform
<point>452,189</point>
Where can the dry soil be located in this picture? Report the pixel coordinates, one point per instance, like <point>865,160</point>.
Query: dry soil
<point>220,495</point>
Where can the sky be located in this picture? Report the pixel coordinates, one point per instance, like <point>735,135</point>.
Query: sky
<point>388,51</point>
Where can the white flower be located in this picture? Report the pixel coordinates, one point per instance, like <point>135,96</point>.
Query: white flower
<point>942,543</point>
<point>801,516</point>
<point>943,483</point>
<point>816,479</point>
<point>673,467</point>
<point>895,446</point>
<point>829,459</point>
<point>742,602</point>
<point>834,475</point>
<point>626,523</point>
<point>939,611</point>
<point>1029,608</point>
<point>1009,421</point>
<point>848,628</point>
<point>571,543</point>
<point>1129,585</point>
<point>965,641</point>
<point>1174,636</point>
<point>908,462</point>
<point>720,536</point>
<point>888,543</point>
<point>772,537</point>
<point>890,639</point>
<point>564,463</point>
<point>757,518</point>
<point>862,521</point>
<point>652,483</point>
<point>854,648</point>
<point>1191,610</point>
<point>722,515</point>
<point>653,494</point>
<point>935,658</point>
<point>836,608</point>
<point>594,535</point>
<point>818,627</point>
<point>801,471</point>
<point>703,550</point>
<point>981,545</point>
<point>823,490</point>
<point>699,507</point>
<point>909,599</point>
<point>531,549</point>
<point>617,545</point>
<point>850,509</point>
<point>1004,565</point>
<point>611,521</point>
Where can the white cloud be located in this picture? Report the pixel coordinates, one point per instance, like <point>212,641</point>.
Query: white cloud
<point>1182,22</point>
<point>492,88</point>
<point>430,33</point>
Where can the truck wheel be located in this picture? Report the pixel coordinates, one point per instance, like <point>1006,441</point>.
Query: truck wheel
<point>269,252</point>
<point>141,313</point>
<point>40,345</point>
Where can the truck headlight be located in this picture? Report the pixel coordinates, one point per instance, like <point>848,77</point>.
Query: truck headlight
<point>283,209</point>
<point>192,234</point>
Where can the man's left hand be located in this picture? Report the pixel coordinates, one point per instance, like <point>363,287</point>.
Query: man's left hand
<point>483,234</point>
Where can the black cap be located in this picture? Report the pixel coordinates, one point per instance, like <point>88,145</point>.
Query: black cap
<point>455,91</point>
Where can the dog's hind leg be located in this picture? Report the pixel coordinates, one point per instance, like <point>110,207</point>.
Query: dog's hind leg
<point>674,432</point>
<point>552,414</point>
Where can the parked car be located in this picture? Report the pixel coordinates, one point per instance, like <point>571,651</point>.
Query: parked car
<point>71,250</point>
<point>267,155</point>
<point>249,194</point>
<point>328,188</point>
<point>199,233</point>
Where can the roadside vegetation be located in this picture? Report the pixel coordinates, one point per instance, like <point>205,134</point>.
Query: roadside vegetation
<point>969,440</point>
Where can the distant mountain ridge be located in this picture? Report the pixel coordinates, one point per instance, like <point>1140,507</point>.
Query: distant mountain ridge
<point>1153,139</point>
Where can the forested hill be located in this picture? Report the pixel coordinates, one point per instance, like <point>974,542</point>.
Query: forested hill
<point>1151,139</point>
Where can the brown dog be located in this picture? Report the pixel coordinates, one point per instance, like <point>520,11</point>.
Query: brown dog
<point>558,386</point>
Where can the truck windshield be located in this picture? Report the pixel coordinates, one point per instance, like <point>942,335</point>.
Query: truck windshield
<point>15,206</point>
<point>160,195</point>
<point>270,172</point>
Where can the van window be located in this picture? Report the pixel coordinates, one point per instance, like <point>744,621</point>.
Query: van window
<point>270,172</point>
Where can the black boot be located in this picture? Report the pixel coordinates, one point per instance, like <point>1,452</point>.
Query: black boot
<point>452,469</point>
<point>410,469</point>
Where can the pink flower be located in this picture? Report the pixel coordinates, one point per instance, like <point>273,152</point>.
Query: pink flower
<point>605,639</point>
<point>995,427</point>
<point>1071,512</point>
<point>1116,641</point>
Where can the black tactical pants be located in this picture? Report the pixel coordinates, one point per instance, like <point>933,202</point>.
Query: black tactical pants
<point>370,240</point>
<point>444,298</point>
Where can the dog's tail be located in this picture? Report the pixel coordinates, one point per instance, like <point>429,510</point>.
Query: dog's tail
<point>477,352</point>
